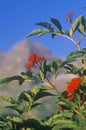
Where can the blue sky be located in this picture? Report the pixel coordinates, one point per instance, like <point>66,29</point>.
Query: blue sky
<point>18,18</point>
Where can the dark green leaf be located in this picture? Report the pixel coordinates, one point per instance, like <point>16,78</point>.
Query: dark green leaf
<point>52,67</point>
<point>21,81</point>
<point>10,79</point>
<point>33,124</point>
<point>35,104</point>
<point>75,54</point>
<point>84,50</point>
<point>17,108</point>
<point>46,25</point>
<point>27,96</point>
<point>56,23</point>
<point>82,25</point>
<point>42,94</point>
<point>68,60</point>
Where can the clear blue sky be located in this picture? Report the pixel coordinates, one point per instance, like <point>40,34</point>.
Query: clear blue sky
<point>18,18</point>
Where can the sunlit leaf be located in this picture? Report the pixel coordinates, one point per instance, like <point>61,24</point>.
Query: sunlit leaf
<point>15,119</point>
<point>76,24</point>
<point>65,126</point>
<point>43,71</point>
<point>38,32</point>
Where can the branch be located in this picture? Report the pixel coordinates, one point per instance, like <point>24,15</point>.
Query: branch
<point>69,38</point>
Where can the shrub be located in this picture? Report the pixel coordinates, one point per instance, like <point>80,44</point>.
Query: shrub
<point>71,103</point>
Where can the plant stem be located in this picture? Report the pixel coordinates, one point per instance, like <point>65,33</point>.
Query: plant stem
<point>65,36</point>
<point>78,45</point>
<point>52,85</point>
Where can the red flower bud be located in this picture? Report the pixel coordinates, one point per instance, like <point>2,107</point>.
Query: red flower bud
<point>32,57</point>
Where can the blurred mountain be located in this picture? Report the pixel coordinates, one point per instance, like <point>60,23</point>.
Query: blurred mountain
<point>14,62</point>
<point>2,55</point>
<point>16,59</point>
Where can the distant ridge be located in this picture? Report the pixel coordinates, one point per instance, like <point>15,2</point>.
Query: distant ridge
<point>15,60</point>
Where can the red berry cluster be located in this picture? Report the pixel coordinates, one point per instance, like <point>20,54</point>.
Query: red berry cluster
<point>34,58</point>
<point>73,86</point>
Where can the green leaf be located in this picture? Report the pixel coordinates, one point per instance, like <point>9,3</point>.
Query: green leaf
<point>46,25</point>
<point>69,103</point>
<point>34,32</point>
<point>68,60</point>
<point>82,25</point>
<point>5,98</point>
<point>9,79</point>
<point>26,95</point>
<point>43,71</point>
<point>52,67</point>
<point>35,105</point>
<point>84,50</point>
<point>38,89</point>
<point>76,24</point>
<point>66,126</point>
<point>33,123</point>
<point>4,124</point>
<point>15,119</point>
<point>42,94</point>
<point>17,108</point>
<point>75,54</point>
<point>56,23</point>
<point>72,69</point>
<point>43,32</point>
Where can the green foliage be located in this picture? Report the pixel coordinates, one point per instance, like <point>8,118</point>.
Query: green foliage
<point>79,23</point>
<point>71,103</point>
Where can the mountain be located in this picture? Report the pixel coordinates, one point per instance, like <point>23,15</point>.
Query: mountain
<point>2,55</point>
<point>15,60</point>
